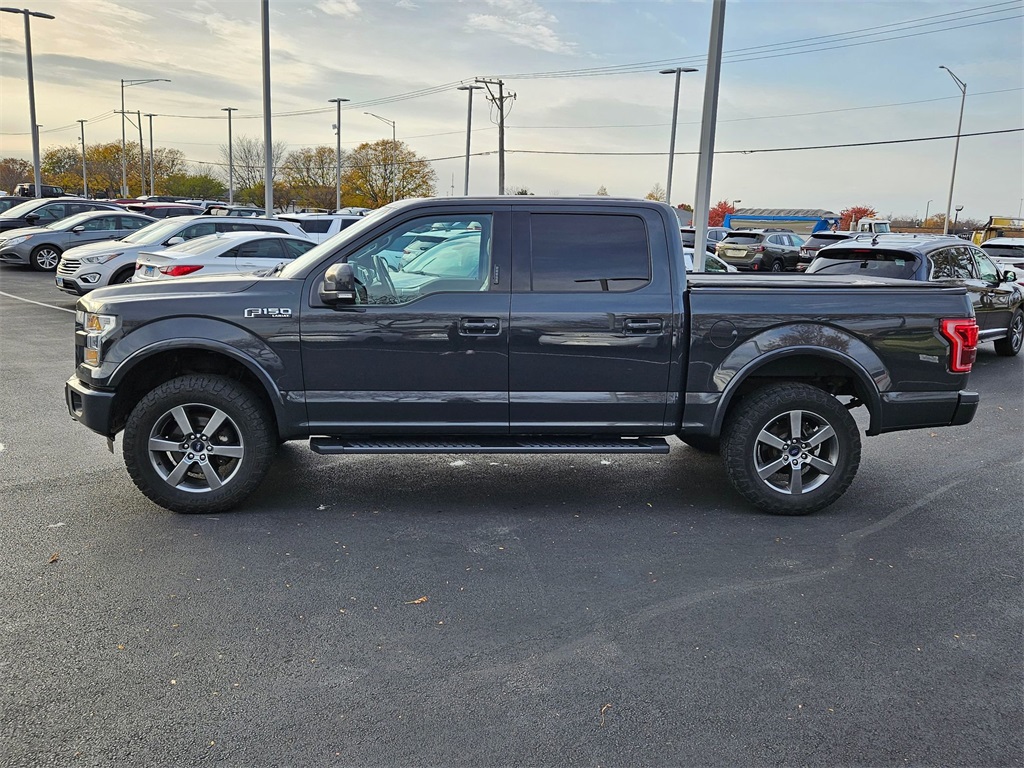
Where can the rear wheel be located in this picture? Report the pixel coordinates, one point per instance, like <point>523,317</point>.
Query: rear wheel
<point>791,449</point>
<point>778,266</point>
<point>1010,345</point>
<point>45,258</point>
<point>199,444</point>
<point>123,275</point>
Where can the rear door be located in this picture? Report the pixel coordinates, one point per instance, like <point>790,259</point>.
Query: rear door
<point>591,322</point>
<point>995,293</point>
<point>955,265</point>
<point>97,229</point>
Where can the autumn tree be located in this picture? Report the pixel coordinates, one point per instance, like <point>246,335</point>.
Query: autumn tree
<point>384,170</point>
<point>685,207</point>
<point>311,176</point>
<point>717,214</point>
<point>657,193</point>
<point>13,171</point>
<point>197,184</point>
<point>849,216</point>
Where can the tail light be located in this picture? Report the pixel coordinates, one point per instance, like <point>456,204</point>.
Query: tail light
<point>758,249</point>
<point>138,265</point>
<point>179,270</point>
<point>962,334</point>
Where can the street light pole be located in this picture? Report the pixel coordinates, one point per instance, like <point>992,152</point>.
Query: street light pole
<point>85,174</point>
<point>142,154</point>
<point>36,173</point>
<point>124,147</point>
<point>469,127</point>
<point>394,151</point>
<point>926,209</point>
<point>231,158</point>
<point>956,147</point>
<point>268,144</point>
<point>152,185</point>
<point>337,180</point>
<point>677,71</point>
<point>956,217</point>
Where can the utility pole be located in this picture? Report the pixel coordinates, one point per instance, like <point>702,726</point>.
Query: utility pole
<point>499,100</point>
<point>152,183</point>
<point>85,173</point>
<point>231,158</point>
<point>142,154</point>
<point>337,156</point>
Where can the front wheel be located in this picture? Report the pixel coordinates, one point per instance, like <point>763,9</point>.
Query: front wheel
<point>199,444</point>
<point>1010,345</point>
<point>45,258</point>
<point>791,449</point>
<point>123,276</point>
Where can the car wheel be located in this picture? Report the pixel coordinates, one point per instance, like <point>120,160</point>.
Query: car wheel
<point>1010,345</point>
<point>123,276</point>
<point>45,258</point>
<point>199,444</point>
<point>778,266</point>
<point>791,449</point>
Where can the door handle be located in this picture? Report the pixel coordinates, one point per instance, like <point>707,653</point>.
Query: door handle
<point>642,325</point>
<point>479,326</point>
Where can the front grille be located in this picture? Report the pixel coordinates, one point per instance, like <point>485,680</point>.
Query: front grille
<point>69,266</point>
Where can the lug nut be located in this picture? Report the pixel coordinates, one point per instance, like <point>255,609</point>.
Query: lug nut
<point>190,457</point>
<point>202,457</point>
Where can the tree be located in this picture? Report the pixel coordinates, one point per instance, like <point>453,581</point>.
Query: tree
<point>853,214</point>
<point>310,174</point>
<point>602,191</point>
<point>717,214</point>
<point>518,191</point>
<point>13,171</point>
<point>685,207</point>
<point>382,171</point>
<point>198,185</point>
<point>249,161</point>
<point>657,193</point>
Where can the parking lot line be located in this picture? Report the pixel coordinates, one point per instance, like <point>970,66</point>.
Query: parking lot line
<point>30,301</point>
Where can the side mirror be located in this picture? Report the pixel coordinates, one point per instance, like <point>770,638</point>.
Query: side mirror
<point>176,240</point>
<point>79,228</point>
<point>1009,276</point>
<point>31,218</point>
<point>339,285</point>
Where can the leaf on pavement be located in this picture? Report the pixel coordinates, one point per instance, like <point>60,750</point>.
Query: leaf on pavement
<point>54,557</point>
<point>417,601</point>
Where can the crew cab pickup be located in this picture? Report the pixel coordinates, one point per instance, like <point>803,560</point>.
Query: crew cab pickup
<point>542,326</point>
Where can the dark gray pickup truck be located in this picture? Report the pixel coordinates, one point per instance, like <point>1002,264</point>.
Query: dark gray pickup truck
<point>535,326</point>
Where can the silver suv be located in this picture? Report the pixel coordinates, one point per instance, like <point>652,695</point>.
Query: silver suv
<point>95,265</point>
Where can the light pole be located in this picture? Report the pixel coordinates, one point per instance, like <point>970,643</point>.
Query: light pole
<point>926,209</point>
<point>956,147</point>
<point>152,185</point>
<point>268,144</point>
<point>85,174</point>
<point>337,130</point>
<point>124,159</point>
<point>672,140</point>
<point>469,127</point>
<point>36,173</point>
<point>394,150</point>
<point>957,216</point>
<point>231,158</point>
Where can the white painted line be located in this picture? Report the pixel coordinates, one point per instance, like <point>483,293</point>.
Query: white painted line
<point>30,301</point>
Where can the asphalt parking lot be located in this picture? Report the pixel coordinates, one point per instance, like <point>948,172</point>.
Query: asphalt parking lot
<point>498,611</point>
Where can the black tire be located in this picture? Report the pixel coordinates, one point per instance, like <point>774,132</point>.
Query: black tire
<point>122,276</point>
<point>702,443</point>
<point>1010,345</point>
<point>217,471</point>
<point>45,258</point>
<point>778,266</point>
<point>822,461</point>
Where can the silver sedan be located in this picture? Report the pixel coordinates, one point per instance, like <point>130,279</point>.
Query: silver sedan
<point>41,247</point>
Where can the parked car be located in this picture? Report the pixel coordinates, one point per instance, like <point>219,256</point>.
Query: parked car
<point>1007,253</point>
<point>761,250</point>
<point>159,210</point>
<point>9,201</point>
<point>997,298</point>
<point>41,247</point>
<point>711,262</point>
<point>245,211</point>
<point>223,253</point>
<point>715,236</point>
<point>94,266</point>
<point>37,212</point>
<point>320,226</point>
<point>816,242</point>
<point>28,189</point>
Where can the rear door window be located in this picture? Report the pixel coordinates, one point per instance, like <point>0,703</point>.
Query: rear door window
<point>986,269</point>
<point>574,253</point>
<point>198,230</point>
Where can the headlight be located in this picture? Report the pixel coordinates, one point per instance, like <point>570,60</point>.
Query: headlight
<point>101,259</point>
<point>16,240</point>
<point>98,328</point>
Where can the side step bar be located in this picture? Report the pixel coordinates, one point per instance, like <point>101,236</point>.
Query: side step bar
<point>332,445</point>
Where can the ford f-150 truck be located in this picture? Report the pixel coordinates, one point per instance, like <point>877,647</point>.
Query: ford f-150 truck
<point>538,326</point>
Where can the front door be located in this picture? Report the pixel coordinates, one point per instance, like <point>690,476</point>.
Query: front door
<point>592,323</point>
<point>425,348</point>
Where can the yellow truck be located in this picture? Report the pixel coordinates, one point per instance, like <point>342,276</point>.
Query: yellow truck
<point>999,226</point>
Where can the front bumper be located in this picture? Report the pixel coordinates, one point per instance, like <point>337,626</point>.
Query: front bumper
<point>13,256</point>
<point>72,286</point>
<point>88,406</point>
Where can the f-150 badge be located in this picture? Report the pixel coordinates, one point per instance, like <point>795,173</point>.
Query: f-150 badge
<point>268,312</point>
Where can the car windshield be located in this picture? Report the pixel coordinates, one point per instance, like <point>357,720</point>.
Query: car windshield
<point>457,257</point>
<point>17,211</point>
<point>1000,250</point>
<point>744,238</point>
<point>205,244</point>
<point>867,262</point>
<point>157,232</point>
<point>71,221</point>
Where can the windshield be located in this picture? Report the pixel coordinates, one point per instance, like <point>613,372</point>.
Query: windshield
<point>71,221</point>
<point>17,211</point>
<point>866,262</point>
<point>328,246</point>
<point>458,257</point>
<point>157,232</point>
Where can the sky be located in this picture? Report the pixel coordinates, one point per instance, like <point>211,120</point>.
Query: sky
<point>590,109</point>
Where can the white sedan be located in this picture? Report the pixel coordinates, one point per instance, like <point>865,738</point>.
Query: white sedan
<point>223,253</point>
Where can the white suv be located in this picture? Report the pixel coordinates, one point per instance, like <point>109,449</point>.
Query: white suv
<point>320,226</point>
<point>108,263</point>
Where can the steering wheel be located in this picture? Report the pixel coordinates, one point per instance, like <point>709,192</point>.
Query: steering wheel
<point>383,276</point>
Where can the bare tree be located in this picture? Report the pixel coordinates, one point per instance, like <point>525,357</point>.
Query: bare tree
<point>250,160</point>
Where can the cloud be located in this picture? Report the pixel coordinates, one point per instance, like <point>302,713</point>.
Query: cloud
<point>523,23</point>
<point>347,8</point>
